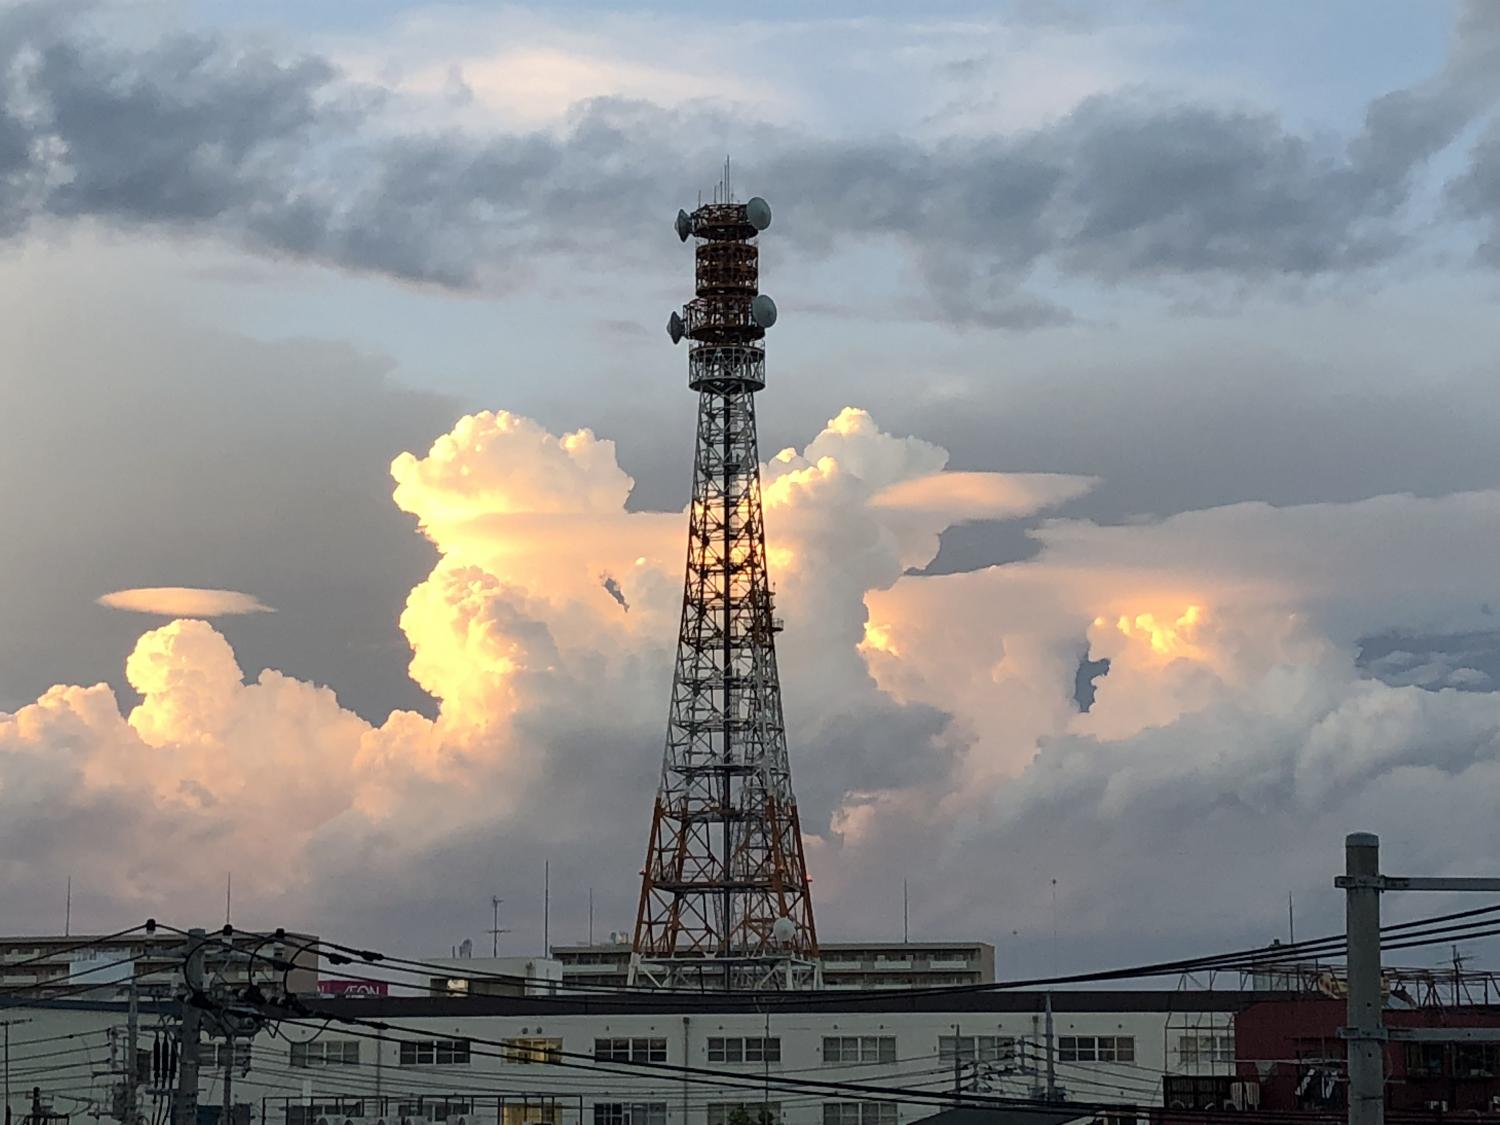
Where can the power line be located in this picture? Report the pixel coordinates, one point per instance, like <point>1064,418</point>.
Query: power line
<point>1422,932</point>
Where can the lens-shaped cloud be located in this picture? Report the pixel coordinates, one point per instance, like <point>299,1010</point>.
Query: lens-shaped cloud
<point>184,601</point>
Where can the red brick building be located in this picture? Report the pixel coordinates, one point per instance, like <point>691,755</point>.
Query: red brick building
<point>1292,1048</point>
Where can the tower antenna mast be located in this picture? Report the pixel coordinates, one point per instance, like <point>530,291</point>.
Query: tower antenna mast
<point>725,899</point>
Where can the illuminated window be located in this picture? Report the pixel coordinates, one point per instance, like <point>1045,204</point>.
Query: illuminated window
<point>533,1049</point>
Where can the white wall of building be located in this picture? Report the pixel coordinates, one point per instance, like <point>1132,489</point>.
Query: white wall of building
<point>74,1070</point>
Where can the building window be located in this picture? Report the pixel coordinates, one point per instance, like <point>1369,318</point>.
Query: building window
<point>859,1049</point>
<point>1196,1091</point>
<point>533,1049</point>
<point>1426,1060</point>
<point>859,1113</point>
<point>434,1052</point>
<point>437,1109</point>
<point>743,1113</point>
<point>630,1113</point>
<point>1476,1060</point>
<point>1195,1049</point>
<point>530,1112</point>
<point>326,1052</point>
<point>976,1048</point>
<point>630,1050</point>
<point>1097,1048</point>
<point>750,1049</point>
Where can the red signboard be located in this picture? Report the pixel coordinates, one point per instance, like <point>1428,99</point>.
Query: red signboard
<point>352,988</point>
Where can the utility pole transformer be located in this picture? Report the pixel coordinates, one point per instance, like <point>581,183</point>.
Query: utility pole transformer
<point>185,1107</point>
<point>725,900</point>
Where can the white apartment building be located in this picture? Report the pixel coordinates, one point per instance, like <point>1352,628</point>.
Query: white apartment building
<point>584,1060</point>
<point>844,964</point>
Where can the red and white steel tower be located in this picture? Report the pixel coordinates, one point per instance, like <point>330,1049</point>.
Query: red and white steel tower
<point>725,901</point>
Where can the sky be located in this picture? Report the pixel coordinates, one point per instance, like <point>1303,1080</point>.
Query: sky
<point>1128,447</point>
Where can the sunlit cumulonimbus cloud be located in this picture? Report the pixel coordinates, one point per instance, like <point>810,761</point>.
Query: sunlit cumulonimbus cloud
<point>933,719</point>
<point>540,678</point>
<point>284,153</point>
<point>184,601</point>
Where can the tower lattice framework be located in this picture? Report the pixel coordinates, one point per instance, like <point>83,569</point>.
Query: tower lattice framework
<point>725,900</point>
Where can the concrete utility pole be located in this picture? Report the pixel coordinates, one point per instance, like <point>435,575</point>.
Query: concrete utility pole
<point>1051,1055</point>
<point>1365,1034</point>
<point>958,1054</point>
<point>185,1109</point>
<point>7,1024</point>
<point>227,1117</point>
<point>1363,885</point>
<point>132,1074</point>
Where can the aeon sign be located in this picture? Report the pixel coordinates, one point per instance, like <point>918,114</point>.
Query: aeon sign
<point>352,988</point>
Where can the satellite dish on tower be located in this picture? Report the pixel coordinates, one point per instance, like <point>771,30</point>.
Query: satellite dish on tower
<point>763,311</point>
<point>783,930</point>
<point>758,213</point>
<point>684,224</point>
<point>675,327</point>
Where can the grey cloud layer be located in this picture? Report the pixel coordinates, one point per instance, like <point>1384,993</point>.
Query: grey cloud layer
<point>203,133</point>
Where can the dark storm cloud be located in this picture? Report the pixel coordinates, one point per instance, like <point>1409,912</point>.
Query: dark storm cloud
<point>288,156</point>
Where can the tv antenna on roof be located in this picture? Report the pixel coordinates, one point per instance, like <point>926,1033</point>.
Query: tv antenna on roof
<point>496,930</point>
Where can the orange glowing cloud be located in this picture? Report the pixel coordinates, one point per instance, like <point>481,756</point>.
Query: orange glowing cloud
<point>1167,637</point>
<point>184,601</point>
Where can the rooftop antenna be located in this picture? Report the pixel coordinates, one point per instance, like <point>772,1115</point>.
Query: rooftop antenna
<point>228,894</point>
<point>68,910</point>
<point>495,930</point>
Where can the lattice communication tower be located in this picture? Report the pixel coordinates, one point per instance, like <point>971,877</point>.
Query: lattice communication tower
<point>725,901</point>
